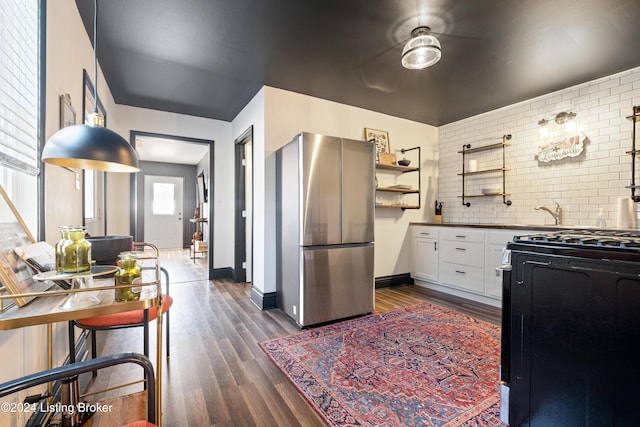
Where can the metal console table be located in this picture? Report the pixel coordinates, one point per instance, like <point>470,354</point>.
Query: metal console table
<point>53,306</point>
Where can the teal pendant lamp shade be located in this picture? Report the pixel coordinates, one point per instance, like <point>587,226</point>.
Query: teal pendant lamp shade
<point>91,146</point>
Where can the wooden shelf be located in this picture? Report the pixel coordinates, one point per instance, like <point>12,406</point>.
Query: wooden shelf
<point>397,168</point>
<point>398,206</point>
<point>484,195</point>
<point>398,190</point>
<point>484,171</point>
<point>485,147</point>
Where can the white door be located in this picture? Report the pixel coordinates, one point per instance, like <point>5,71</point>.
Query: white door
<point>163,211</point>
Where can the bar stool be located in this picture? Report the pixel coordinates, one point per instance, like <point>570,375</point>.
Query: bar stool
<point>67,372</point>
<point>128,319</point>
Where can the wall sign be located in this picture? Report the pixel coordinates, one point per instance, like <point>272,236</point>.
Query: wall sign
<point>560,139</point>
<point>570,146</point>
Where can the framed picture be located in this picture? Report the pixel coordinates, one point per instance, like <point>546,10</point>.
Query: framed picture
<point>380,138</point>
<point>67,113</point>
<point>16,276</point>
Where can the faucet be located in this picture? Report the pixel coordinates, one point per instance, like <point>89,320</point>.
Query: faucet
<point>557,215</point>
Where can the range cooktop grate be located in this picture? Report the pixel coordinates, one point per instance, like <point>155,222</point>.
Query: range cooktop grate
<point>585,238</point>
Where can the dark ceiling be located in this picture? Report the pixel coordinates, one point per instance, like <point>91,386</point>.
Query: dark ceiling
<point>209,57</point>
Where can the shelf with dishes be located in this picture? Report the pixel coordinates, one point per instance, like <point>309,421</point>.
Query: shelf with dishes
<point>404,189</point>
<point>393,190</point>
<point>470,196</point>
<point>484,171</point>
<point>397,168</point>
<point>497,165</point>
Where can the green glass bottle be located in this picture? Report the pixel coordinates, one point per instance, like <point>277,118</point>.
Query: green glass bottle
<point>129,274</point>
<point>64,236</point>
<point>73,252</point>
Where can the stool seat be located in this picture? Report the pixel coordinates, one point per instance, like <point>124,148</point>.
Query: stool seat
<point>126,318</point>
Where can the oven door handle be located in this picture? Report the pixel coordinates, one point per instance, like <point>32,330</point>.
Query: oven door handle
<point>529,262</point>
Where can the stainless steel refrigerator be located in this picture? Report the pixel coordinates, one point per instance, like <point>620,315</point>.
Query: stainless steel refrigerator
<point>325,228</point>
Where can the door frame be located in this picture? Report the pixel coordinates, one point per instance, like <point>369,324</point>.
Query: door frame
<point>133,196</point>
<point>240,229</point>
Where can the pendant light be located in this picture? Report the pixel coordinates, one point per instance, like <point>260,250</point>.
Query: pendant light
<point>422,51</point>
<point>91,146</point>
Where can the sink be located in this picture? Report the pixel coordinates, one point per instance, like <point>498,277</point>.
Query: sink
<point>105,249</point>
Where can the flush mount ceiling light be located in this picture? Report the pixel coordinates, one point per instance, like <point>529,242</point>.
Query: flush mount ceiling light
<point>422,51</point>
<point>91,146</point>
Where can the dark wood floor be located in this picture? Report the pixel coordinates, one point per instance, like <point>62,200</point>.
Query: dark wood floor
<point>217,374</point>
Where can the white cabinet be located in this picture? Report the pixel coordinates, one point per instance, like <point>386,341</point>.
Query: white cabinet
<point>424,259</point>
<point>462,259</point>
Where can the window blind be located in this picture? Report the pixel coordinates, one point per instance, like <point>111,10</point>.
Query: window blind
<point>19,85</point>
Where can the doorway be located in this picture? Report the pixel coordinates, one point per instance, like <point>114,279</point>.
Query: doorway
<point>163,201</point>
<point>243,256</point>
<point>163,155</point>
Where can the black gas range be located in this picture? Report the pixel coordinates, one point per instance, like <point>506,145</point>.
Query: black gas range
<point>596,243</point>
<point>571,329</point>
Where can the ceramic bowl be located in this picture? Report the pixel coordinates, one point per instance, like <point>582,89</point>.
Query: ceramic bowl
<point>404,162</point>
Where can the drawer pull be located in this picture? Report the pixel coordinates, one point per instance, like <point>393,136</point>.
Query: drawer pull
<point>460,249</point>
<point>460,272</point>
<point>461,236</point>
<point>425,234</point>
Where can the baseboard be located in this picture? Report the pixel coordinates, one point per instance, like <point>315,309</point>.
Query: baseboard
<point>263,301</point>
<point>393,280</point>
<point>225,273</point>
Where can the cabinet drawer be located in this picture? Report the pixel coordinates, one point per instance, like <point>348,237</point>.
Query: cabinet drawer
<point>463,253</point>
<point>462,235</point>
<point>424,232</point>
<point>462,276</point>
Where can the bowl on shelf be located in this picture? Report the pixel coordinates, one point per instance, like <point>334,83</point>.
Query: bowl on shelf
<point>490,191</point>
<point>404,162</point>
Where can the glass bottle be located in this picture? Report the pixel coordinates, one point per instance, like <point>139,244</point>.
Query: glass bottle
<point>129,274</point>
<point>64,236</point>
<point>73,252</point>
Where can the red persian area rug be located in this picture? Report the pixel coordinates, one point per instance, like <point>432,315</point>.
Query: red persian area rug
<point>421,365</point>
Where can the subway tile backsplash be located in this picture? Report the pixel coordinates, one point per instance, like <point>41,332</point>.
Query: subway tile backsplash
<point>581,185</point>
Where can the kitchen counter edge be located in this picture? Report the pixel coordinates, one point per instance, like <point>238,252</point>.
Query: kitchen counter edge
<point>520,226</point>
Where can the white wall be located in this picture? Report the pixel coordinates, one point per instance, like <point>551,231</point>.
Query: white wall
<point>68,52</point>
<point>253,114</point>
<point>288,113</point>
<point>581,185</point>
<point>222,196</point>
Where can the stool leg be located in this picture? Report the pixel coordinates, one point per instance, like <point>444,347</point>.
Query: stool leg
<point>72,342</point>
<point>166,277</point>
<point>94,350</point>
<point>145,328</point>
<point>167,332</point>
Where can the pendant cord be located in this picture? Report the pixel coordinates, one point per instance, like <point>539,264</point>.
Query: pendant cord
<point>95,57</point>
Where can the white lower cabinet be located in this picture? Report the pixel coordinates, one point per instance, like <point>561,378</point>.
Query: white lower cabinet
<point>460,260</point>
<point>424,254</point>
